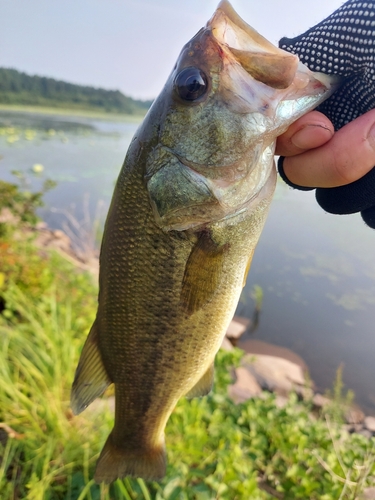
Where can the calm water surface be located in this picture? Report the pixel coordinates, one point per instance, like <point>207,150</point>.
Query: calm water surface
<point>317,271</point>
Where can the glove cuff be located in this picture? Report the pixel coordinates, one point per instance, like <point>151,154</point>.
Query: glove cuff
<point>280,168</point>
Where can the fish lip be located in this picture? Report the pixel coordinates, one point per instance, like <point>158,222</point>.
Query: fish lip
<point>262,60</point>
<point>224,7</point>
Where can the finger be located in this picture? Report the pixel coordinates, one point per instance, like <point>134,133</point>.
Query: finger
<point>348,156</point>
<point>310,131</point>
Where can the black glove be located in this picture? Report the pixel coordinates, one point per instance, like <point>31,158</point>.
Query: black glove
<point>343,44</point>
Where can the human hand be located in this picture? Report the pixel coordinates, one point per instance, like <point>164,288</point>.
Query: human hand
<point>316,156</point>
<point>338,164</point>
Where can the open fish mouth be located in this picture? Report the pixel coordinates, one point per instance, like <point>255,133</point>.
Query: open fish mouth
<point>254,68</point>
<point>259,57</point>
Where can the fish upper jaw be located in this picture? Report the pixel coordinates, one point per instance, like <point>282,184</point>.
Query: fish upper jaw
<point>259,77</point>
<point>259,57</point>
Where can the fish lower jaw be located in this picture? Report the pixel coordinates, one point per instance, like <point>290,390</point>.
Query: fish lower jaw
<point>176,222</point>
<point>198,225</point>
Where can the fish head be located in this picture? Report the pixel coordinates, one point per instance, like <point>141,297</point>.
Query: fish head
<point>230,94</point>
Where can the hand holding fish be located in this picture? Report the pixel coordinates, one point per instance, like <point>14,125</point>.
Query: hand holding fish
<point>343,44</point>
<point>316,156</point>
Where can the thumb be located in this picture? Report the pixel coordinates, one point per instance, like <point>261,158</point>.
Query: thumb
<point>348,156</point>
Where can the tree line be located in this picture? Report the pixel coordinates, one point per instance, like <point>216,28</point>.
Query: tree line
<point>22,89</point>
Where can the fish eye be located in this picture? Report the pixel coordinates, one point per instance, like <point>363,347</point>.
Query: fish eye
<point>190,84</point>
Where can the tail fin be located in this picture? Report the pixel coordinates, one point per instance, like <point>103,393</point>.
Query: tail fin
<point>117,462</point>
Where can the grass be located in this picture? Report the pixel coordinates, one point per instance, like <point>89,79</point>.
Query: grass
<point>216,450</point>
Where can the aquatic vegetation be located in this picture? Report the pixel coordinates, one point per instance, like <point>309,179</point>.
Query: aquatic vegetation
<point>17,134</point>
<point>64,133</point>
<point>37,168</point>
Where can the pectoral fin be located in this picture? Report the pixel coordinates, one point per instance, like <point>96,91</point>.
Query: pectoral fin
<point>203,273</point>
<point>204,385</point>
<point>91,378</point>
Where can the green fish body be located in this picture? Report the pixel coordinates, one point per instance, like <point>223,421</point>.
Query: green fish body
<point>187,211</point>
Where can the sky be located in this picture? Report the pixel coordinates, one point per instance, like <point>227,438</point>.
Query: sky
<point>129,45</point>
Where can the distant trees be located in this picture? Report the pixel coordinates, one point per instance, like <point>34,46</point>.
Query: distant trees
<point>23,89</point>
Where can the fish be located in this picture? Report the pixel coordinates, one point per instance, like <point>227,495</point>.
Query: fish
<point>188,208</point>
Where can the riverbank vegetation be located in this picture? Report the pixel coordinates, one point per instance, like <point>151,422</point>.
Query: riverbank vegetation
<point>216,449</point>
<point>20,89</point>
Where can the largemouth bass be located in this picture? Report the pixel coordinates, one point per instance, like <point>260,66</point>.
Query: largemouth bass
<point>186,214</point>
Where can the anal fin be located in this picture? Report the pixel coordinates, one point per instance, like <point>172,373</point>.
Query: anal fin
<point>91,378</point>
<point>203,273</point>
<point>204,384</point>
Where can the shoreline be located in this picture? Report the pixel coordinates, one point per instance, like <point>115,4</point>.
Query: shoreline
<point>83,113</point>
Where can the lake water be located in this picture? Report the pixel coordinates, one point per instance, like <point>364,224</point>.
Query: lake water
<point>317,271</point>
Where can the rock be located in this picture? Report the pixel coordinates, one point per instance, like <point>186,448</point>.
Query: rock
<point>226,344</point>
<point>47,239</point>
<point>6,217</point>
<point>281,401</point>
<point>354,415</point>
<point>320,401</point>
<point>245,387</point>
<point>350,428</point>
<point>368,494</point>
<point>369,423</point>
<point>256,346</point>
<point>276,374</point>
<point>237,327</point>
<point>366,433</point>
<point>57,233</point>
